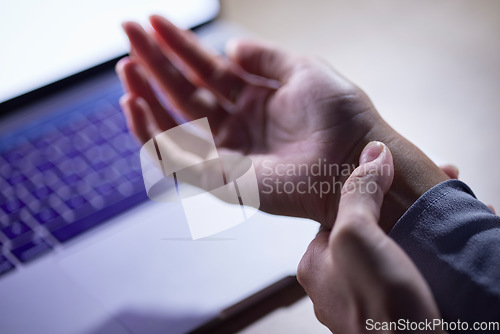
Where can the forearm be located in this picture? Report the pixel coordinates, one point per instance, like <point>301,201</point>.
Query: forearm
<point>414,172</point>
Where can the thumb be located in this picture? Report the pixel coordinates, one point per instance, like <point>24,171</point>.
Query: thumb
<point>260,58</point>
<point>363,192</point>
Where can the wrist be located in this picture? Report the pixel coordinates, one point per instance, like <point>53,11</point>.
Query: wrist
<point>414,173</point>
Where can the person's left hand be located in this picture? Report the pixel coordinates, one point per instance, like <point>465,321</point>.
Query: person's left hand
<point>355,274</point>
<point>286,113</point>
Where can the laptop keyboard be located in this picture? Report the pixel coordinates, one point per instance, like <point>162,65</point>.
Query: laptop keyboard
<point>64,176</point>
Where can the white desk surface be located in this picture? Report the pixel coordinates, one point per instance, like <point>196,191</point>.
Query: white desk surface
<point>432,68</point>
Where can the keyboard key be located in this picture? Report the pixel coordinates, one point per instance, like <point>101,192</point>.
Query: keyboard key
<point>52,154</point>
<point>75,201</point>
<point>49,137</point>
<point>72,166</point>
<point>31,250</point>
<point>111,174</point>
<point>92,134</point>
<point>28,185</point>
<point>42,142</point>
<point>119,121</point>
<point>107,110</point>
<point>43,166</point>
<point>124,143</point>
<point>121,166</point>
<point>76,124</point>
<point>125,188</point>
<point>79,212</point>
<point>4,219</point>
<point>3,198</point>
<point>105,189</point>
<point>70,179</point>
<point>16,229</point>
<point>42,192</point>
<point>27,168</point>
<point>133,176</point>
<point>80,142</point>
<point>103,153</point>
<point>83,188</point>
<point>15,177</point>
<point>7,219</point>
<point>12,205</point>
<point>63,144</point>
<point>108,130</point>
<point>5,265</point>
<point>98,165</point>
<point>5,168</point>
<point>46,215</point>
<point>103,112</point>
<point>12,156</point>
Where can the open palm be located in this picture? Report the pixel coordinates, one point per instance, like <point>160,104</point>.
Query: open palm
<point>279,109</point>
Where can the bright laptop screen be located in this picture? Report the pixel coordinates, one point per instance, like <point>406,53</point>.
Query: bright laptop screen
<point>42,41</point>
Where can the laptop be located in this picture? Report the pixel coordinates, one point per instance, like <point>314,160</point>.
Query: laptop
<point>82,248</point>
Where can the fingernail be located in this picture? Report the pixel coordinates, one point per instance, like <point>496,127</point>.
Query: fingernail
<point>159,18</point>
<point>120,64</point>
<point>127,24</point>
<point>371,152</point>
<point>123,100</point>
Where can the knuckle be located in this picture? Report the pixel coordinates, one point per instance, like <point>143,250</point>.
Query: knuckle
<point>358,182</point>
<point>310,264</point>
<point>304,269</point>
<point>349,233</point>
<point>354,233</point>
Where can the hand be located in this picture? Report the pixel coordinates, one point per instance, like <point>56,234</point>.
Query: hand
<point>287,113</point>
<point>275,107</point>
<point>355,272</point>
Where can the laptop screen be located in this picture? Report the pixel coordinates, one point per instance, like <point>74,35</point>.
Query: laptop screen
<point>45,41</point>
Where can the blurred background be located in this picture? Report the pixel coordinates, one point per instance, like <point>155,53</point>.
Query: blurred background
<point>432,69</point>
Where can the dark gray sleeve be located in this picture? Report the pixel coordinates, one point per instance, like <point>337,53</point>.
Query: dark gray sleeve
<point>454,240</point>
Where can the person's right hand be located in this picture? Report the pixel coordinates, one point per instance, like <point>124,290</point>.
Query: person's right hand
<point>271,105</point>
<point>356,276</point>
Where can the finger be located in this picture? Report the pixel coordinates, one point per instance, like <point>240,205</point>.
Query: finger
<point>135,82</point>
<point>363,192</point>
<point>119,71</point>
<point>139,117</point>
<point>213,70</point>
<point>450,170</point>
<point>492,209</point>
<point>261,59</point>
<point>184,96</point>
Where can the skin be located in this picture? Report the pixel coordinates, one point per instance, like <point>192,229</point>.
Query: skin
<point>274,107</point>
<point>280,108</point>
<point>355,271</point>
